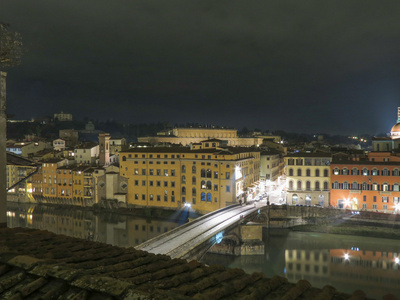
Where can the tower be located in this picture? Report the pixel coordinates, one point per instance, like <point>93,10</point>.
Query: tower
<point>104,148</point>
<point>398,115</point>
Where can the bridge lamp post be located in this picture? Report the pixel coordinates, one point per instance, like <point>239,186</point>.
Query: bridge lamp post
<point>346,203</point>
<point>396,208</point>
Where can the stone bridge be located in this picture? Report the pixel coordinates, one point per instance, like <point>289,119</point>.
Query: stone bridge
<point>192,240</point>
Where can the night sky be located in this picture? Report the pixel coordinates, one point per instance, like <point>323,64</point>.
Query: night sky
<point>300,66</point>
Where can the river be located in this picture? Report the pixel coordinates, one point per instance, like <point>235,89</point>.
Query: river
<point>346,262</point>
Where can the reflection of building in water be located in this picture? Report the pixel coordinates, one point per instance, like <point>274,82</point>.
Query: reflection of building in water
<point>380,269</point>
<point>312,265</point>
<point>141,230</point>
<point>110,228</point>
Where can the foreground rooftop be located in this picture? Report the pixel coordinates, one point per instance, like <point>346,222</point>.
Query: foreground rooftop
<point>36,264</point>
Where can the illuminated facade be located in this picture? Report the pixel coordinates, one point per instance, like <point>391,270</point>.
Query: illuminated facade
<point>62,117</point>
<point>271,165</point>
<point>65,182</point>
<point>207,178</point>
<point>188,136</point>
<point>308,179</point>
<point>366,185</point>
<point>117,145</point>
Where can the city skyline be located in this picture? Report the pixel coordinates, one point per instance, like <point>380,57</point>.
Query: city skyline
<point>298,67</point>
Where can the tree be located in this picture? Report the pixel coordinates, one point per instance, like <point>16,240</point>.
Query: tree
<point>10,47</point>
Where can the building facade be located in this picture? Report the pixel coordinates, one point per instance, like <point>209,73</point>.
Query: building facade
<point>365,185</point>
<point>188,136</point>
<point>87,154</point>
<point>308,179</point>
<point>62,117</point>
<point>207,179</point>
<point>272,165</point>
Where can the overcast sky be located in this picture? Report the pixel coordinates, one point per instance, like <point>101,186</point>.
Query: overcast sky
<point>300,66</point>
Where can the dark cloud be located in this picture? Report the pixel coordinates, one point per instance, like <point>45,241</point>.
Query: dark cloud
<point>313,66</point>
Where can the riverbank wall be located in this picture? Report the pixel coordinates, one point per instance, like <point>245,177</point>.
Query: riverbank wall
<point>335,221</point>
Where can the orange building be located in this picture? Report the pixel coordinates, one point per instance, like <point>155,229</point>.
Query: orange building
<point>366,185</point>
<point>64,178</point>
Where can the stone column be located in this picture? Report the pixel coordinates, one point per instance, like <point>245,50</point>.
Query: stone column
<point>3,155</point>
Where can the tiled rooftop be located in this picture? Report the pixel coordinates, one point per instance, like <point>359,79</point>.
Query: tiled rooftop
<point>36,264</point>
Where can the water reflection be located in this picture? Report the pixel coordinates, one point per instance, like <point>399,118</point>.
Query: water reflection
<point>110,228</point>
<point>345,262</point>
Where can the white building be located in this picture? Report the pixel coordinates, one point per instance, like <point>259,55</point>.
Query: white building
<point>59,144</point>
<point>87,154</point>
<point>63,117</point>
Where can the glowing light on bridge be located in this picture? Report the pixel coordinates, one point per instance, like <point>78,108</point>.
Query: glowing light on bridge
<point>219,237</point>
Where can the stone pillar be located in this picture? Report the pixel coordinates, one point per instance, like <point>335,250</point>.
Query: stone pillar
<point>3,155</point>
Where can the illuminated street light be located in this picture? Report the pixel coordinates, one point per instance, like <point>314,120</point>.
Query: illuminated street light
<point>346,256</point>
<point>347,202</point>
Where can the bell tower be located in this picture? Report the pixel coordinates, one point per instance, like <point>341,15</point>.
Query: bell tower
<point>104,149</point>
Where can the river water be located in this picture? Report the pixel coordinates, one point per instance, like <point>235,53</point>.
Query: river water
<point>346,262</point>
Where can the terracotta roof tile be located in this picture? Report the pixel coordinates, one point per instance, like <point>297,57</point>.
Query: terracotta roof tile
<point>39,264</point>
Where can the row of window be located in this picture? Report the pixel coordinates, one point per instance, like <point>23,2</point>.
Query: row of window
<point>203,184</point>
<point>374,206</point>
<point>366,172</point>
<point>385,199</point>
<point>365,186</point>
<point>167,156</point>
<point>308,172</point>
<point>204,173</point>
<point>59,181</point>
<point>309,162</point>
<point>203,197</point>
<point>317,186</point>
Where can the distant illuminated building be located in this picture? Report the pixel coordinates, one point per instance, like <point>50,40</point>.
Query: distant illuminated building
<point>62,117</point>
<point>188,136</point>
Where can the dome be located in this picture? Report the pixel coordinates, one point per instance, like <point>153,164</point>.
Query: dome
<point>395,131</point>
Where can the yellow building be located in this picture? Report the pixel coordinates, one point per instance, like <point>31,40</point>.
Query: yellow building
<point>78,185</point>
<point>308,178</point>
<point>49,177</point>
<point>65,181</point>
<point>206,178</point>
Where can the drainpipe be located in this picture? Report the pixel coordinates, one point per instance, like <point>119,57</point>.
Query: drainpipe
<point>3,155</point>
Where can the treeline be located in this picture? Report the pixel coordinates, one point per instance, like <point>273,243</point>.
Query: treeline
<point>48,129</point>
